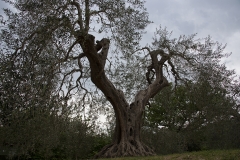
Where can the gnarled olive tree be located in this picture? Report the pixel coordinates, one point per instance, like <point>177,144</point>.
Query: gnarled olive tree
<point>65,29</point>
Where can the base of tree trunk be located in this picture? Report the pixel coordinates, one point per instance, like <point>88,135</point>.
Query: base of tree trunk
<point>125,149</point>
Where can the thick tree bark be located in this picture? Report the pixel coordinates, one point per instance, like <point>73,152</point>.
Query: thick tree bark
<point>127,140</point>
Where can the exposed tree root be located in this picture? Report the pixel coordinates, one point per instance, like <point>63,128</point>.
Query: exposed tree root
<point>125,149</point>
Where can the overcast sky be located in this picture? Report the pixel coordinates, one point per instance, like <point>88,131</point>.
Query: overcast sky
<point>218,18</point>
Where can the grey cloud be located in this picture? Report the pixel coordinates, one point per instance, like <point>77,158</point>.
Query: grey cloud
<point>218,18</point>
<point>3,5</point>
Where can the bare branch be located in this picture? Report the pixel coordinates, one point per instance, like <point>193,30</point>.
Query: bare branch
<point>97,12</point>
<point>146,49</point>
<point>174,72</point>
<point>14,56</point>
<point>70,49</point>
<point>67,74</point>
<point>87,15</point>
<point>142,49</point>
<point>80,20</point>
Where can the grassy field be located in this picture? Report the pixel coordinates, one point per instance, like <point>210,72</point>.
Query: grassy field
<point>203,155</point>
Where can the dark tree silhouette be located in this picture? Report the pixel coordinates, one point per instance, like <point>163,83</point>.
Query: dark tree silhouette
<point>53,38</point>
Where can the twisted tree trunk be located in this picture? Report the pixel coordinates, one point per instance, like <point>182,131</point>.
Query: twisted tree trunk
<point>127,140</point>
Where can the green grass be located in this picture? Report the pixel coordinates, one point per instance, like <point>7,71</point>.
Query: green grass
<point>202,155</point>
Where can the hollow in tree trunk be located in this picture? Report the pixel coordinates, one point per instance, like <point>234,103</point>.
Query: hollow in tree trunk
<point>127,139</point>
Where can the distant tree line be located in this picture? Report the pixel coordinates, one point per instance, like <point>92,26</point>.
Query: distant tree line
<point>197,116</point>
<point>38,134</point>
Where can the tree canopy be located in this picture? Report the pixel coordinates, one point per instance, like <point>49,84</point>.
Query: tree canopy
<point>49,55</point>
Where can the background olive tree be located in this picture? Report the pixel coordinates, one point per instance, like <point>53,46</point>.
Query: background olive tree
<point>198,116</point>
